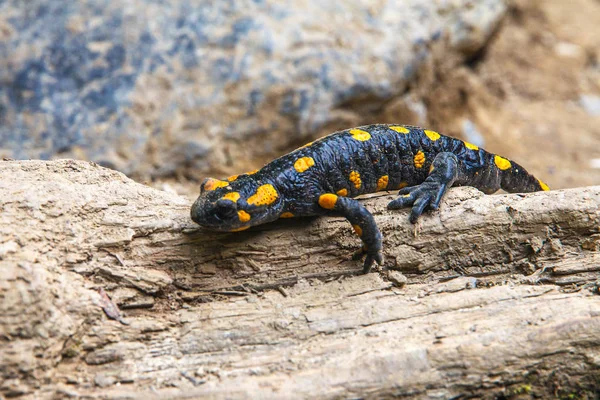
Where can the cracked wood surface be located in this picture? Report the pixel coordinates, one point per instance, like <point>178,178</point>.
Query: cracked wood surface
<point>500,293</point>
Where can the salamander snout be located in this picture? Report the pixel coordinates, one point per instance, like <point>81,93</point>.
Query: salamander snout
<point>220,215</point>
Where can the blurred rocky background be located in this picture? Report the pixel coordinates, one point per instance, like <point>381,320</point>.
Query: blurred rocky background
<point>169,92</point>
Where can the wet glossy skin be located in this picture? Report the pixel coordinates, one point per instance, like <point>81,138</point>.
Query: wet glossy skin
<point>323,177</point>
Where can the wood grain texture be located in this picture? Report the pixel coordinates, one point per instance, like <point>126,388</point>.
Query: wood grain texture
<point>501,296</point>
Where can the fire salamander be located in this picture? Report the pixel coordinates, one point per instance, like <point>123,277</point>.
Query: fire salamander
<point>323,177</point>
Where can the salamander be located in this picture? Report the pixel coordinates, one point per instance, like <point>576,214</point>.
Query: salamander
<point>324,177</point>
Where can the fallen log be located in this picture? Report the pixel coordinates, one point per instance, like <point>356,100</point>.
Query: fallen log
<point>501,296</point>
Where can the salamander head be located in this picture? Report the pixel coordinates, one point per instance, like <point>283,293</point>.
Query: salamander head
<point>236,204</point>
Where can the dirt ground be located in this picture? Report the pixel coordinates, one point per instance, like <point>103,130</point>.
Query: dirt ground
<point>525,94</point>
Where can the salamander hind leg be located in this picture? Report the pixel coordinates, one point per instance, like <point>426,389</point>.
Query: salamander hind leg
<point>363,223</point>
<point>443,173</point>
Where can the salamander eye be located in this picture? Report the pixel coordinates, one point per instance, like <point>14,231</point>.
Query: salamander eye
<point>225,209</point>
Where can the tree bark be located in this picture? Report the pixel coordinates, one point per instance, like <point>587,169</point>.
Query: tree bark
<point>108,289</point>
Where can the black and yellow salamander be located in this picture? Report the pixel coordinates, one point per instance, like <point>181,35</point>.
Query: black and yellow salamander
<point>323,177</point>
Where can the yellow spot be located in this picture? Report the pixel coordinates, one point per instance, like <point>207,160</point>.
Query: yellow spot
<point>402,185</point>
<point>471,146</point>
<point>357,229</point>
<point>431,168</point>
<point>355,179</point>
<point>342,192</point>
<point>286,215</point>
<point>265,195</point>
<point>419,159</point>
<point>382,182</point>
<point>304,163</point>
<point>432,135</point>
<point>243,228</point>
<point>212,184</point>
<point>543,186</point>
<point>400,129</point>
<point>232,178</point>
<point>502,162</point>
<point>252,172</point>
<point>328,200</point>
<point>360,135</point>
<point>306,145</point>
<point>243,216</point>
<point>406,195</point>
<point>233,196</point>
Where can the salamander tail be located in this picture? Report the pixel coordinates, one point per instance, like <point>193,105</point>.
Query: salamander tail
<point>516,179</point>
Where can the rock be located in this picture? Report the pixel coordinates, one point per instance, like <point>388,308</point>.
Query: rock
<point>103,356</point>
<point>113,352</point>
<point>590,103</point>
<point>569,50</point>
<point>102,380</point>
<point>193,85</point>
<point>126,298</point>
<point>397,278</point>
<point>145,279</point>
<point>457,284</point>
<point>9,247</point>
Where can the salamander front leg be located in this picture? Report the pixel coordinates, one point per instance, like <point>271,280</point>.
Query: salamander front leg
<point>363,223</point>
<point>444,171</point>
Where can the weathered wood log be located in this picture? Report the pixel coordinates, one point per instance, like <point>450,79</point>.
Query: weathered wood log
<point>501,296</point>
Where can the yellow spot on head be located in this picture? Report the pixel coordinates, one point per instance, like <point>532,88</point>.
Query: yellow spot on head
<point>342,192</point>
<point>357,229</point>
<point>400,129</point>
<point>233,196</point>
<point>471,146</point>
<point>419,159</point>
<point>212,184</point>
<point>360,135</point>
<point>265,195</point>
<point>243,216</point>
<point>402,185</point>
<point>382,182</point>
<point>328,200</point>
<point>432,135</point>
<point>502,163</point>
<point>232,178</point>
<point>304,163</point>
<point>243,228</point>
<point>543,186</point>
<point>355,179</point>
<point>286,215</point>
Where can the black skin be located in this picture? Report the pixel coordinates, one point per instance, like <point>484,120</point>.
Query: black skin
<point>422,180</point>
